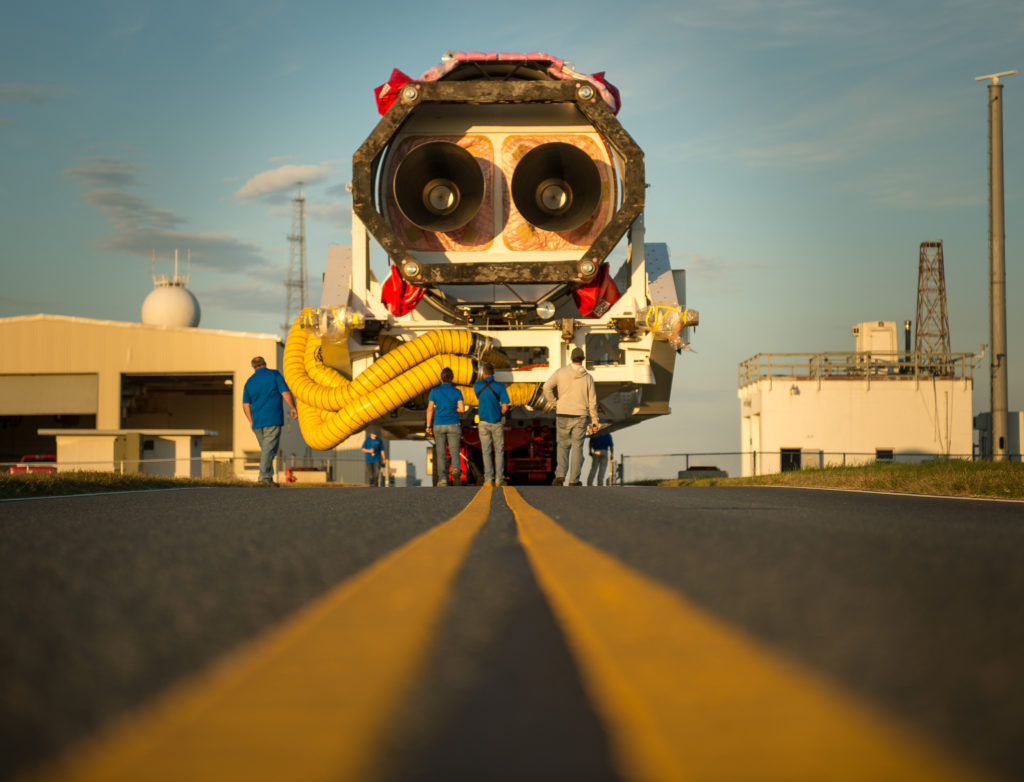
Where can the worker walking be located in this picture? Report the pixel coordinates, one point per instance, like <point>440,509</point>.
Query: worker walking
<point>571,390</point>
<point>373,450</point>
<point>261,402</point>
<point>443,407</point>
<point>492,405</point>
<point>601,451</point>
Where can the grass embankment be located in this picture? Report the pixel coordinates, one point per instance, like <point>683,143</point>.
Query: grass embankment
<point>952,478</point>
<point>60,483</point>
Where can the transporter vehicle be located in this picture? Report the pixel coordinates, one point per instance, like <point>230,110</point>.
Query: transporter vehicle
<point>501,188</point>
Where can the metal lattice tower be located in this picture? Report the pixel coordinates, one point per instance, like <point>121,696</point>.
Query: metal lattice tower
<point>931,343</point>
<point>296,288</point>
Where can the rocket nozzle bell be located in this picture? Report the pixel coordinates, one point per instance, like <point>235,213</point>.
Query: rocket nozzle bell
<point>439,186</point>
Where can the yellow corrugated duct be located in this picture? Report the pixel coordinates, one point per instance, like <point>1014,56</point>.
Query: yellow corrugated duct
<point>315,368</point>
<point>332,408</point>
<point>336,427</point>
<point>389,342</point>
<point>496,358</point>
<point>326,389</point>
<point>519,394</point>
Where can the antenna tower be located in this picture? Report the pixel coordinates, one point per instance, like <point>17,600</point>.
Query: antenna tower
<point>932,339</point>
<point>296,289</point>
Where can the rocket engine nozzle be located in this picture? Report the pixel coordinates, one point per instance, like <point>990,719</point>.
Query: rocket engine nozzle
<point>556,186</point>
<point>439,186</point>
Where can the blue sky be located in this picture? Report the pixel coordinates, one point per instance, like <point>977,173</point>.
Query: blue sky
<point>798,153</point>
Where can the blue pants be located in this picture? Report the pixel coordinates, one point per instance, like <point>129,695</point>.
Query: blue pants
<point>570,429</point>
<point>269,438</point>
<point>451,434</point>
<point>492,444</point>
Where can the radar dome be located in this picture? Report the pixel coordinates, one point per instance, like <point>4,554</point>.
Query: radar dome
<point>171,305</point>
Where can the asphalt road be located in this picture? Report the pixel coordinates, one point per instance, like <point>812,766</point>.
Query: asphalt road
<point>912,606</point>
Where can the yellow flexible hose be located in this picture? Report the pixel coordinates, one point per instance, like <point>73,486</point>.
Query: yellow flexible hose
<point>519,394</point>
<point>496,358</point>
<point>389,342</point>
<point>323,433</point>
<point>326,389</point>
<point>332,408</point>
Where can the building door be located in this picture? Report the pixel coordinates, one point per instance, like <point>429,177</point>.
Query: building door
<point>201,401</point>
<point>789,459</point>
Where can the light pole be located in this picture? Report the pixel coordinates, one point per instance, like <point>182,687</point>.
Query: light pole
<point>997,266</point>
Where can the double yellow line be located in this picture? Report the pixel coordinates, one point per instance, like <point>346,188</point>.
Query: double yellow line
<point>682,695</point>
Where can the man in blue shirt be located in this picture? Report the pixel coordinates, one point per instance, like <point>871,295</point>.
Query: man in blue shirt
<point>261,401</point>
<point>492,405</point>
<point>373,448</point>
<point>600,452</point>
<point>443,407</point>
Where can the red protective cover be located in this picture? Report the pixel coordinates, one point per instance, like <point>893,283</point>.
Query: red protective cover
<point>593,299</point>
<point>399,296</point>
<point>387,93</point>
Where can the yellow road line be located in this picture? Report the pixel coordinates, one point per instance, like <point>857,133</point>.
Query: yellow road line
<point>310,700</point>
<point>685,696</point>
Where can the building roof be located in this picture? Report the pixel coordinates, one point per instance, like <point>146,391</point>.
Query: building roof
<point>135,325</point>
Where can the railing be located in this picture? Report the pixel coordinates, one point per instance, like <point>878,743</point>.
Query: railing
<point>874,365</point>
<point>637,468</point>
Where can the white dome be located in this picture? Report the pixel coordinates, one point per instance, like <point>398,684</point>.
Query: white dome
<point>171,305</point>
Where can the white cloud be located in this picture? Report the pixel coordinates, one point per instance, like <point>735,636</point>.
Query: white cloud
<point>104,171</point>
<point>126,210</point>
<point>214,251</point>
<point>28,93</point>
<point>717,278</point>
<point>334,212</point>
<point>281,179</point>
<point>258,297</point>
<point>777,21</point>
<point>136,228</point>
<point>912,188</point>
<point>711,268</point>
<point>847,126</point>
<point>289,69</point>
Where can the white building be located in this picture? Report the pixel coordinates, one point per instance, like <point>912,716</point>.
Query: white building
<point>131,396</point>
<point>874,403</point>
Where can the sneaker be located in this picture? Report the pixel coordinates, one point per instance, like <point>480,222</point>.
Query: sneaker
<point>575,483</point>
<point>557,481</point>
<point>488,483</point>
<point>499,483</point>
<point>442,483</point>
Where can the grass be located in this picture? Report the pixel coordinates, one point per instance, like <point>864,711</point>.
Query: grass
<point>61,483</point>
<point>949,478</point>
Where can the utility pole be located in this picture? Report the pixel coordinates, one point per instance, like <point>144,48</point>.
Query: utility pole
<point>997,266</point>
<point>296,294</point>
